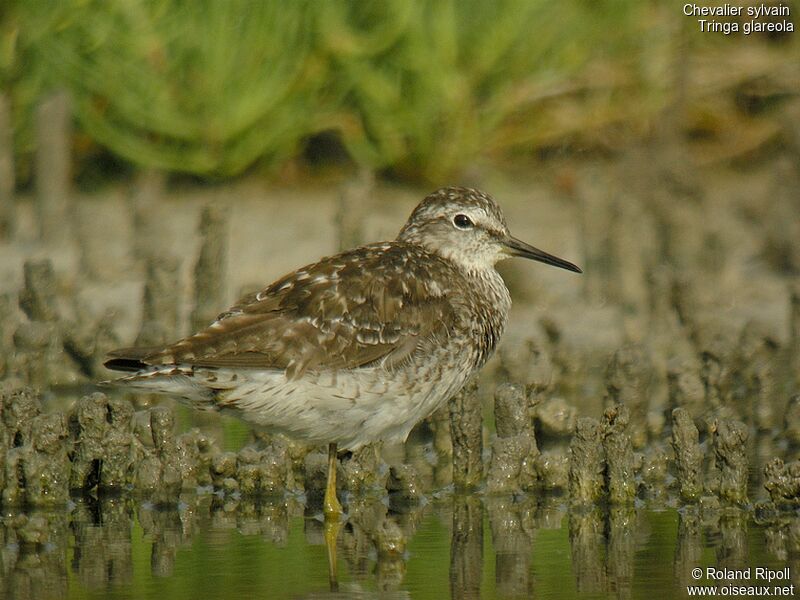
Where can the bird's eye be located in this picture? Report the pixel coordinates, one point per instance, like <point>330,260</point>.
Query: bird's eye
<point>462,221</point>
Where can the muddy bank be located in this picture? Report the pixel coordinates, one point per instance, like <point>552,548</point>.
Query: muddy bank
<point>666,377</point>
<point>685,369</point>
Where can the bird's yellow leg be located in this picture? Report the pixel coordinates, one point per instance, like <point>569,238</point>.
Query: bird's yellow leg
<point>331,506</point>
<point>331,532</point>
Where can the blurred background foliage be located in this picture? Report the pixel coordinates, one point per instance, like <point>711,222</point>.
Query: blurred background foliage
<point>419,89</point>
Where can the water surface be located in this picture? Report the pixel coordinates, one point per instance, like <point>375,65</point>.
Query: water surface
<point>454,546</point>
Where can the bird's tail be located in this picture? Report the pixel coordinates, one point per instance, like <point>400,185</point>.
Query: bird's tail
<point>172,380</point>
<point>130,359</point>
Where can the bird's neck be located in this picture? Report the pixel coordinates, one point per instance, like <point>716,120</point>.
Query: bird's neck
<point>493,287</point>
<point>488,316</point>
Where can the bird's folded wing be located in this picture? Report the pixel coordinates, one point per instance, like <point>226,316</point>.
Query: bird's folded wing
<point>341,313</point>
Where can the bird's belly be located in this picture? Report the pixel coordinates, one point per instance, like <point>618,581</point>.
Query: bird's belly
<point>351,407</point>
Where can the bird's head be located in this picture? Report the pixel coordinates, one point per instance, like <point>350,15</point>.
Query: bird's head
<point>466,226</point>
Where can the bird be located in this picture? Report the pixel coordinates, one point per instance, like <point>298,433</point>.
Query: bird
<point>357,347</point>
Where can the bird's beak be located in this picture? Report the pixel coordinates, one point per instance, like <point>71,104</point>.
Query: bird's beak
<point>515,247</point>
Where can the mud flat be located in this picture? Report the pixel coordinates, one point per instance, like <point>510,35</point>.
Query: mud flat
<point>664,380</point>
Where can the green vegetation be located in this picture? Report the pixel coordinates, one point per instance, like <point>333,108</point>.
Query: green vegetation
<point>419,87</point>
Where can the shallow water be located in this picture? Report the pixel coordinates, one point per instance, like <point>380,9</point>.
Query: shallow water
<point>457,546</point>
<point>445,546</point>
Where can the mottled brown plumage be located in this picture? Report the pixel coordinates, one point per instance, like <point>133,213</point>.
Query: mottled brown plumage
<point>359,346</point>
<point>374,303</point>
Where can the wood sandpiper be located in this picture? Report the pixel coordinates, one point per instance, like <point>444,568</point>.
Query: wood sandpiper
<point>357,347</point>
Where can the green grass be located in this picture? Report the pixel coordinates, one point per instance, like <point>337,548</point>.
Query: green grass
<point>421,88</point>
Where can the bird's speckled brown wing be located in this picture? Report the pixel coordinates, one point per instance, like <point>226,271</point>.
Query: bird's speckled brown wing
<point>374,303</point>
